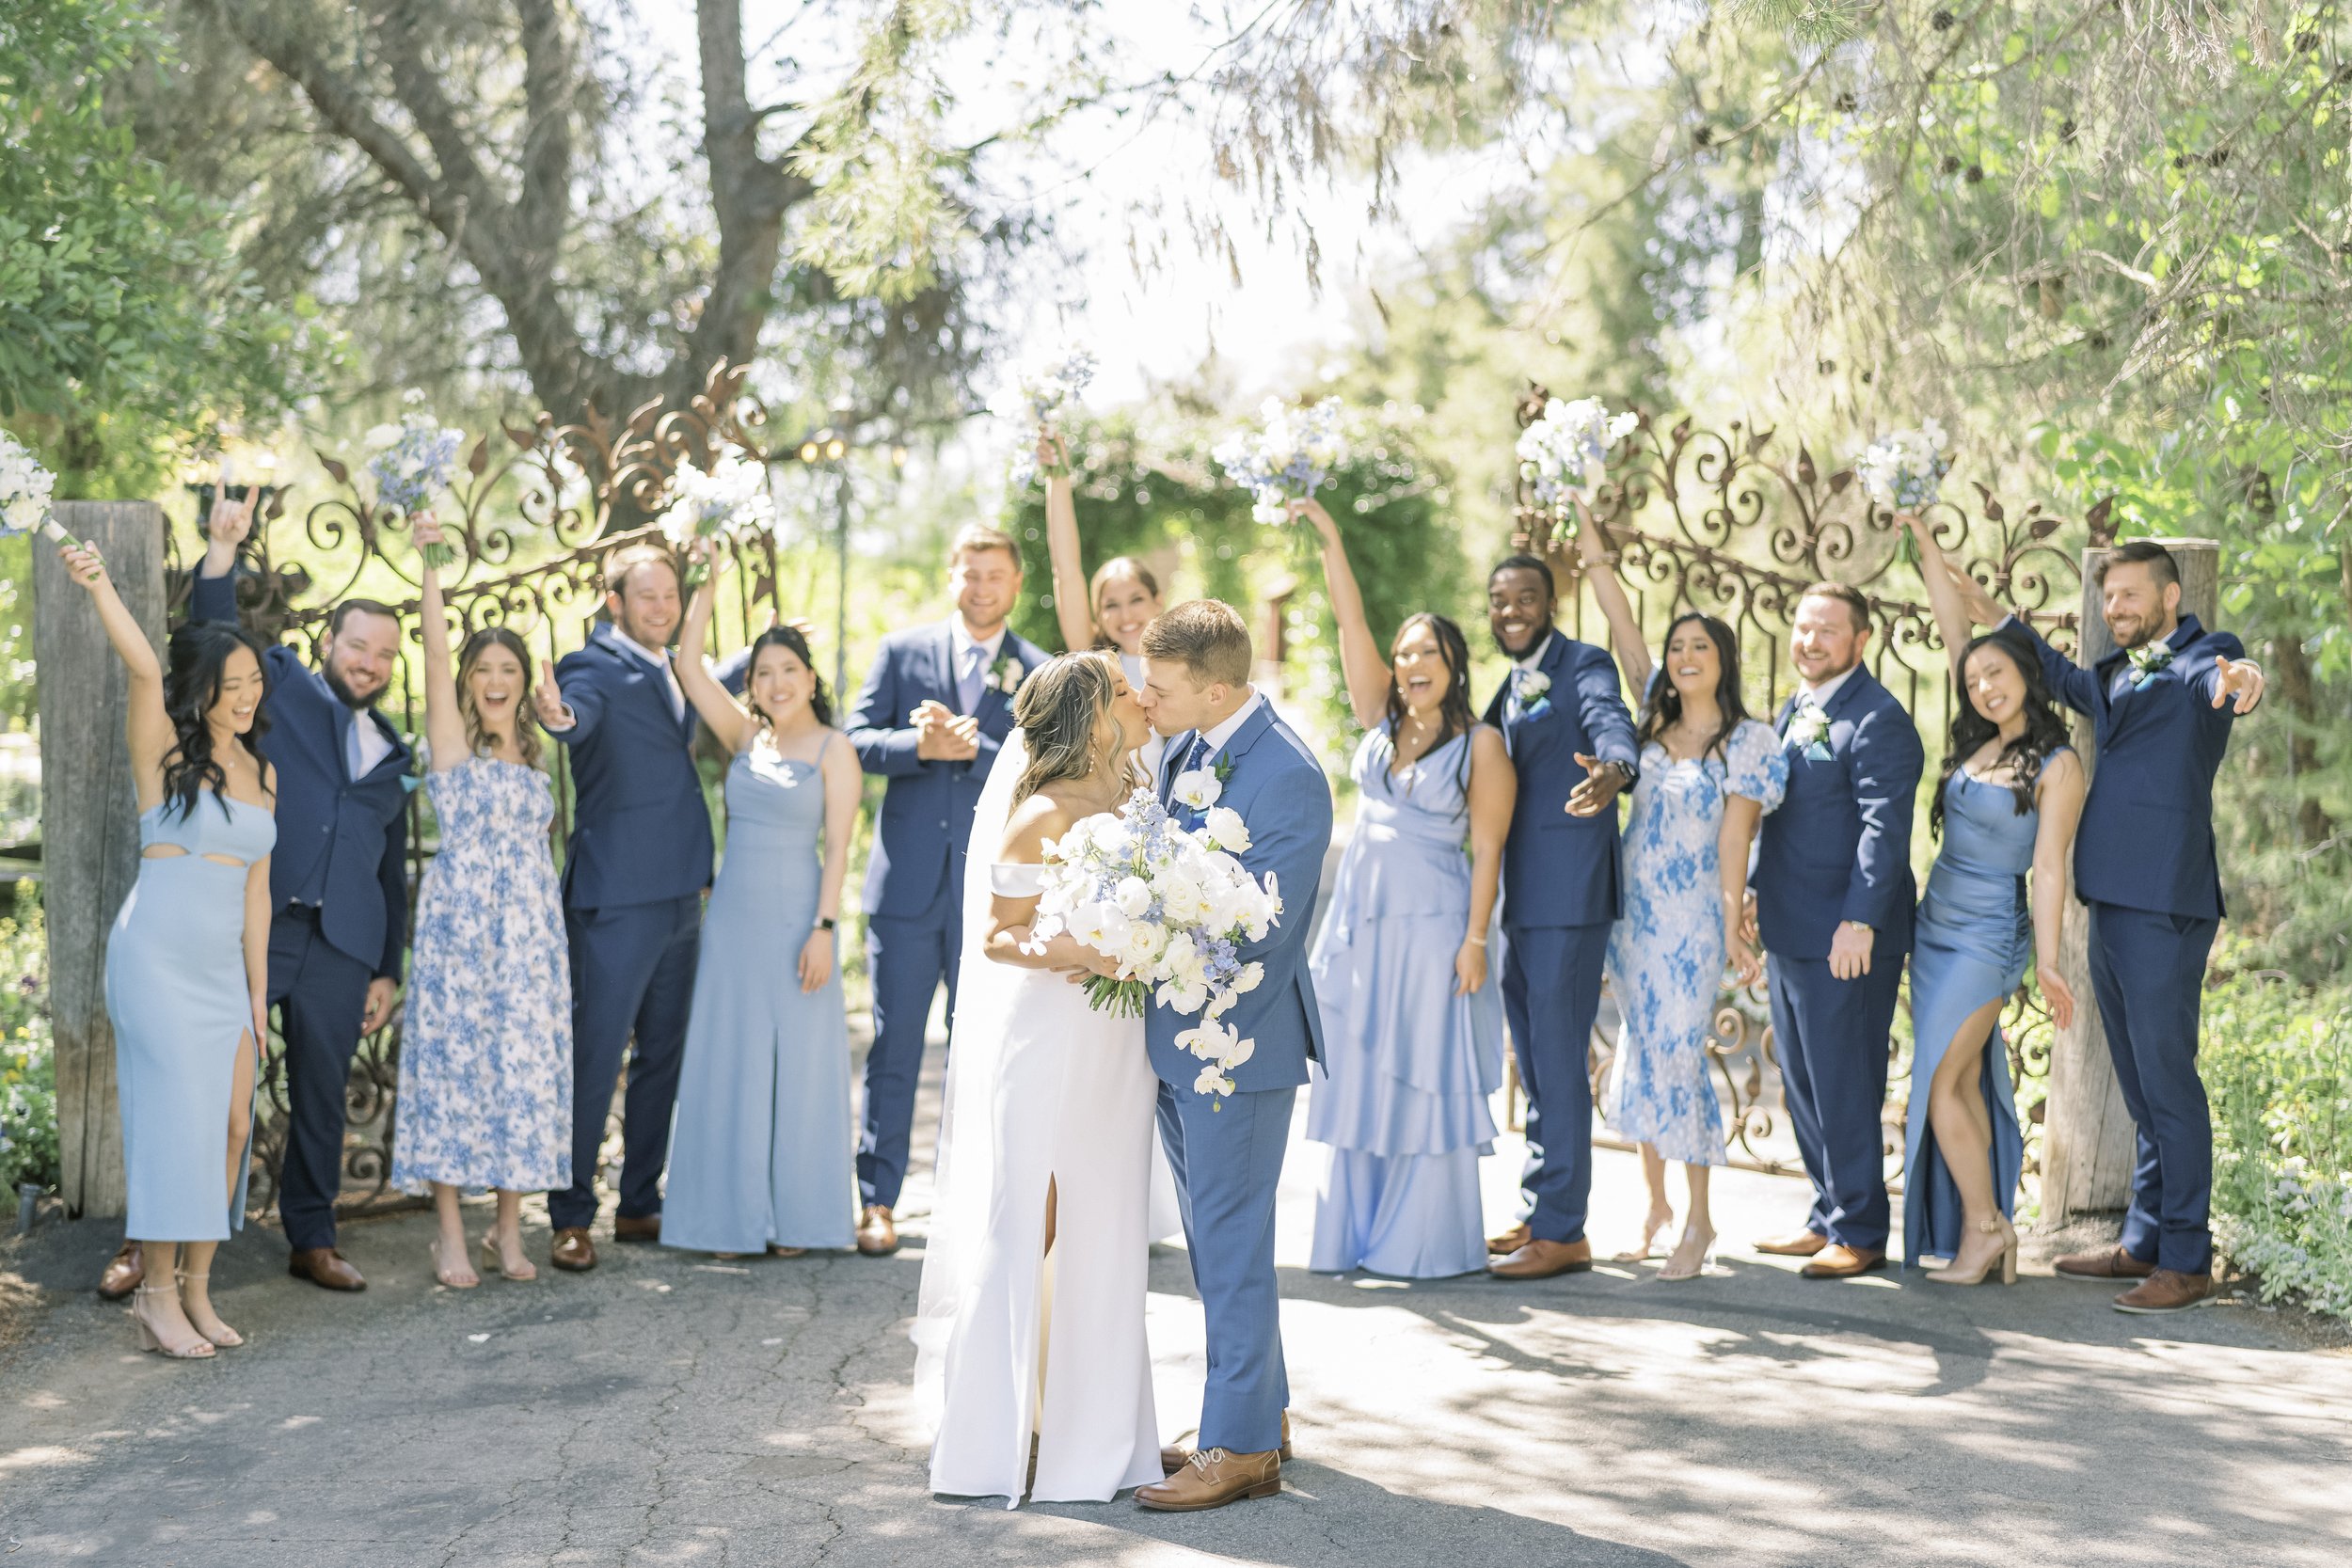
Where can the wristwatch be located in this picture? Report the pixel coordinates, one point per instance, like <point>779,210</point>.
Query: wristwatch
<point>826,922</point>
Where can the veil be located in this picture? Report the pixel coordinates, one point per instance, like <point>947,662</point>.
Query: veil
<point>964,1173</point>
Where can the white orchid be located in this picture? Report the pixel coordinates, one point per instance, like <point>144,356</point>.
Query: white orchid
<point>1226,830</point>
<point>1199,788</point>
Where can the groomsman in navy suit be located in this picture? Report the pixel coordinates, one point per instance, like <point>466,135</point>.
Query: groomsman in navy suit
<point>338,882</point>
<point>1833,898</point>
<point>935,708</point>
<point>634,875</point>
<point>2161,706</point>
<point>1563,720</point>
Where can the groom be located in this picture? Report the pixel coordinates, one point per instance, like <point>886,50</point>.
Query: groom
<point>1228,1151</point>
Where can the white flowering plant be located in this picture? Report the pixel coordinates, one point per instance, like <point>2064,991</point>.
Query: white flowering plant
<point>1904,470</point>
<point>1174,907</point>
<point>26,487</point>
<point>1287,458</point>
<point>412,462</point>
<point>1042,388</point>
<point>728,499</point>
<point>1564,454</point>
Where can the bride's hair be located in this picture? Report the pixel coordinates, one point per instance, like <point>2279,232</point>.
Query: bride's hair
<point>1060,708</point>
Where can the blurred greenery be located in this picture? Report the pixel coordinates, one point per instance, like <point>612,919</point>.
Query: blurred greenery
<point>28,1070</point>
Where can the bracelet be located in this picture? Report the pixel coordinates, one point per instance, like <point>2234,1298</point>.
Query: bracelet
<point>1475,941</point>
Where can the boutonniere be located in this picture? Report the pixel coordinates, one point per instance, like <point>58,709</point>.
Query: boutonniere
<point>1201,787</point>
<point>1533,686</point>
<point>1006,675</point>
<point>2147,659</point>
<point>1808,732</point>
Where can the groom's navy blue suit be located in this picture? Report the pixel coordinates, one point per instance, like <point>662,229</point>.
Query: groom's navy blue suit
<point>339,892</point>
<point>2144,863</point>
<point>1228,1157</point>
<point>1839,849</point>
<point>634,874</point>
<point>915,882</point>
<point>1561,890</point>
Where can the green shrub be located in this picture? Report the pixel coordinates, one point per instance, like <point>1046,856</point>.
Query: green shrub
<point>2276,1062</point>
<point>28,1069</point>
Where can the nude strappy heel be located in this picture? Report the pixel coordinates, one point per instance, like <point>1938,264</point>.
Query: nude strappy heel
<point>2005,1258</point>
<point>201,1350</point>
<point>228,1338</point>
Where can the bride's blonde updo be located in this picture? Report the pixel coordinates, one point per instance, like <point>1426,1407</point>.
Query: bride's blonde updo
<point>1061,708</point>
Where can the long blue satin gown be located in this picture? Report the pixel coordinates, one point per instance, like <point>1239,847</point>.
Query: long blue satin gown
<point>1408,1066</point>
<point>760,1144</point>
<point>1974,937</point>
<point>176,995</point>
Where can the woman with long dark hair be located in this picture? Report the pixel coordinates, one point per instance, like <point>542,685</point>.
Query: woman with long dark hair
<point>759,1145</point>
<point>188,961</point>
<point>1709,774</point>
<point>486,1050</point>
<point>2007,805</point>
<point>1412,1032</point>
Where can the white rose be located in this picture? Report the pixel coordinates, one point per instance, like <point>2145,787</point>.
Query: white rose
<point>1226,828</point>
<point>1183,960</point>
<point>1144,945</point>
<point>1133,896</point>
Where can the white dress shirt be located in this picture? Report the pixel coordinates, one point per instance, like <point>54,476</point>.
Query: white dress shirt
<point>367,745</point>
<point>1820,696</point>
<point>1217,737</point>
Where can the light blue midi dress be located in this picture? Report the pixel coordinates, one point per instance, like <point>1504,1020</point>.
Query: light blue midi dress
<point>177,996</point>
<point>1970,945</point>
<point>1408,1066</point>
<point>759,1143</point>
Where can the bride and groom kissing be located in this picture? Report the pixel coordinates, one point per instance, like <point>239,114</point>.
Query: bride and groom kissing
<point>1030,1352</point>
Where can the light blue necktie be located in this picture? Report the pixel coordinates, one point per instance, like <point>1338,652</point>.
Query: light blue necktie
<point>968,678</point>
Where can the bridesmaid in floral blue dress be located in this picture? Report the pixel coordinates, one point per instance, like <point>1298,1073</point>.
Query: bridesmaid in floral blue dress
<point>1412,1032</point>
<point>1709,774</point>
<point>759,1145</point>
<point>486,1051</point>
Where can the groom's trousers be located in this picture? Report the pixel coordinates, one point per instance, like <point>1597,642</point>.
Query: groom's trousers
<point>1228,1162</point>
<point>2148,971</point>
<point>1551,994</point>
<point>1831,1039</point>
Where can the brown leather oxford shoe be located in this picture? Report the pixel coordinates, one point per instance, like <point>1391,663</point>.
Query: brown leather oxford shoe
<point>122,1274</point>
<point>573,1251</point>
<point>1175,1456</point>
<point>639,1228</point>
<point>1840,1261</point>
<point>1509,1242</point>
<point>327,1268</point>
<point>2108,1262</point>
<point>877,1234</point>
<point>1212,1478</point>
<point>1541,1259</point>
<point>1798,1243</point>
<point>2167,1291</point>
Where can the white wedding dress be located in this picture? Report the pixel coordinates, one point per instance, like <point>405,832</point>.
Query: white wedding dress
<point>1011,1343</point>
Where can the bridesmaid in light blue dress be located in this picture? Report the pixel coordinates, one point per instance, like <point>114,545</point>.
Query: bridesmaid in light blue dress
<point>1709,775</point>
<point>486,1050</point>
<point>188,956</point>
<point>1412,1028</point>
<point>2007,806</point>
<point>760,1154</point>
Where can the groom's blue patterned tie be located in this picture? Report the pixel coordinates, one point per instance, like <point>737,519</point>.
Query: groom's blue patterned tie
<point>1193,759</point>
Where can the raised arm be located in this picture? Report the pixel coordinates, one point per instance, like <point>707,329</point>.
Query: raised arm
<point>1625,627</point>
<point>147,728</point>
<point>1368,675</point>
<point>722,713</point>
<point>1952,622</point>
<point>2059,797</point>
<point>444,725</point>
<point>1071,607</point>
<point>214,594</point>
<point>1494,790</point>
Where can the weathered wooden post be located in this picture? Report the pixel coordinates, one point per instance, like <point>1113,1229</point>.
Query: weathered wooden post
<point>2087,1140</point>
<point>89,827</point>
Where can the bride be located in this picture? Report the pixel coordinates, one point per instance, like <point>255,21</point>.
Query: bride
<point>1030,1358</point>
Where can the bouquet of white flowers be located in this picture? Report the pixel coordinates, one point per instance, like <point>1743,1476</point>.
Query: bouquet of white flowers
<point>413,461</point>
<point>1904,470</point>
<point>24,490</point>
<point>1173,906</point>
<point>1565,452</point>
<point>1044,386</point>
<point>1286,459</point>
<point>730,499</point>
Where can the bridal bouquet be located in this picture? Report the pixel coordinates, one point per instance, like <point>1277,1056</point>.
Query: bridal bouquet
<point>25,491</point>
<point>1173,906</point>
<point>1287,458</point>
<point>1903,472</point>
<point>413,461</point>
<point>728,499</point>
<point>1045,387</point>
<point>1565,452</point>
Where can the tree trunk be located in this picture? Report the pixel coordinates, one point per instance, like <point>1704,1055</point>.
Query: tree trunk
<point>2294,680</point>
<point>88,823</point>
<point>2086,1149</point>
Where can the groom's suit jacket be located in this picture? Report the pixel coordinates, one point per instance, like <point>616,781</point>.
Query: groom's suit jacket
<point>1839,847</point>
<point>2146,839</point>
<point>1280,790</point>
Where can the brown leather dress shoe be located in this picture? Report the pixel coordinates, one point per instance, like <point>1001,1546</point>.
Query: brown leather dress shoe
<point>1841,1262</point>
<point>1212,1478</point>
<point>2108,1262</point>
<point>1509,1242</point>
<point>573,1251</point>
<point>2167,1291</point>
<point>1175,1456</point>
<point>1541,1259</point>
<point>327,1268</point>
<point>1800,1244</point>
<point>123,1273</point>
<point>639,1227</point>
<point>877,1236</point>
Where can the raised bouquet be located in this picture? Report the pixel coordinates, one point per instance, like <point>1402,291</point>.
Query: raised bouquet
<point>1904,471</point>
<point>1045,388</point>
<point>1565,452</point>
<point>1174,907</point>
<point>1285,459</point>
<point>412,462</point>
<point>729,499</point>
<point>24,490</point>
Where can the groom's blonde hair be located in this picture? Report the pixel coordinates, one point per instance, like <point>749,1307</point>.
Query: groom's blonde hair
<point>1207,637</point>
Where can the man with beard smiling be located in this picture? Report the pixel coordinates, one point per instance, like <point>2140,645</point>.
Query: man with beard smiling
<point>1564,721</point>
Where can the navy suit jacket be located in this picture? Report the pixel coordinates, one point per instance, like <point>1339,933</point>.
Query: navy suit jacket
<point>926,810</point>
<point>2146,838</point>
<point>1557,869</point>
<point>641,829</point>
<point>341,842</point>
<point>1839,847</point>
<point>1279,788</point>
